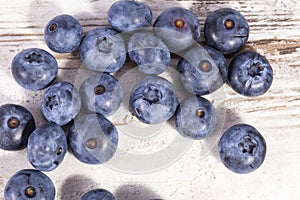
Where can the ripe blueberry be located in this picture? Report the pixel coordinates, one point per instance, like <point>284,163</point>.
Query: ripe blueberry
<point>93,139</point>
<point>250,74</point>
<point>179,28</point>
<point>63,34</point>
<point>98,194</point>
<point>126,15</point>
<point>34,69</point>
<point>149,53</point>
<point>29,184</point>
<point>153,100</point>
<point>226,30</point>
<point>103,49</point>
<point>16,124</point>
<point>202,70</point>
<point>61,103</point>
<point>101,93</point>
<point>242,148</point>
<point>47,146</point>
<point>195,118</point>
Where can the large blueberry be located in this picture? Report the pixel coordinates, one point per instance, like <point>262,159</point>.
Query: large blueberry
<point>242,148</point>
<point>63,34</point>
<point>195,118</point>
<point>250,74</point>
<point>179,28</point>
<point>103,49</point>
<point>149,53</point>
<point>47,147</point>
<point>226,30</point>
<point>101,93</point>
<point>153,100</point>
<point>61,103</point>
<point>34,69</point>
<point>126,15</point>
<point>29,184</point>
<point>16,124</point>
<point>202,70</point>
<point>93,139</point>
<point>98,194</point>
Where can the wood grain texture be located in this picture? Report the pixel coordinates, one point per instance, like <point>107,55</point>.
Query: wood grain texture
<point>274,32</point>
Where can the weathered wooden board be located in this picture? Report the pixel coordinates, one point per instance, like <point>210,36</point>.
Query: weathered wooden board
<point>196,173</point>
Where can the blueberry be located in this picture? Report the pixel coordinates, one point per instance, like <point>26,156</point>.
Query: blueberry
<point>101,93</point>
<point>202,70</point>
<point>29,184</point>
<point>98,194</point>
<point>149,53</point>
<point>153,100</point>
<point>242,148</point>
<point>34,69</point>
<point>250,74</point>
<point>195,118</point>
<point>179,28</point>
<point>47,146</point>
<point>61,103</point>
<point>93,139</point>
<point>226,30</point>
<point>63,34</point>
<point>16,124</point>
<point>103,49</point>
<point>126,15</point>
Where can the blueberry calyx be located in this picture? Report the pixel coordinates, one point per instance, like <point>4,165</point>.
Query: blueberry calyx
<point>30,192</point>
<point>13,122</point>
<point>99,89</point>
<point>104,45</point>
<point>52,102</point>
<point>179,23</point>
<point>255,69</point>
<point>152,94</point>
<point>229,24</point>
<point>248,145</point>
<point>34,58</point>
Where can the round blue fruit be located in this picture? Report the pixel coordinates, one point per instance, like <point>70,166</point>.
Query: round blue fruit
<point>127,15</point>
<point>195,118</point>
<point>103,49</point>
<point>179,28</point>
<point>63,34</point>
<point>93,139</point>
<point>153,100</point>
<point>34,69</point>
<point>242,148</point>
<point>47,147</point>
<point>202,70</point>
<point>148,53</point>
<point>101,93</point>
<point>61,103</point>
<point>16,125</point>
<point>29,184</point>
<point>226,30</point>
<point>98,194</point>
<point>250,74</point>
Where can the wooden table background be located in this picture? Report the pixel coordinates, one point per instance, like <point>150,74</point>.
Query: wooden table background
<point>274,32</point>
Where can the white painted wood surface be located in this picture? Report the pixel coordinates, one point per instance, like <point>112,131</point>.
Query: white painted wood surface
<point>195,173</point>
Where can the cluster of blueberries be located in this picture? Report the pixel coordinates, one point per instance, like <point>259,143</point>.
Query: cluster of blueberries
<point>92,138</point>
